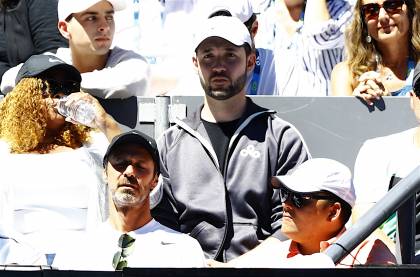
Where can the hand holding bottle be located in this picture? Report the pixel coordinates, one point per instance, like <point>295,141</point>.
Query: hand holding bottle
<point>81,108</point>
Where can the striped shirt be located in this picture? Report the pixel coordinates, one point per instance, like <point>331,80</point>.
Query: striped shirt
<point>304,61</point>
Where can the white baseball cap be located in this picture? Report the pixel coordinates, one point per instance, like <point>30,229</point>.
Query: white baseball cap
<point>241,9</point>
<point>226,27</point>
<point>68,7</point>
<point>319,174</point>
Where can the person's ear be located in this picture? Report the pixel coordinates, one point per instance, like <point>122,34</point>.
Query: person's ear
<point>251,62</point>
<point>63,28</point>
<point>254,29</point>
<point>334,212</point>
<point>154,182</point>
<point>195,62</point>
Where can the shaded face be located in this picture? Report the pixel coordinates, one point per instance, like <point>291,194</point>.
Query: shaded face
<point>299,223</point>
<point>92,30</point>
<point>385,20</point>
<point>59,82</point>
<point>131,175</point>
<point>59,85</point>
<point>54,120</point>
<point>222,68</point>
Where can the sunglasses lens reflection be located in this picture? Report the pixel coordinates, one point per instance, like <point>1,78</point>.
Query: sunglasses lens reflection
<point>297,200</point>
<point>371,11</point>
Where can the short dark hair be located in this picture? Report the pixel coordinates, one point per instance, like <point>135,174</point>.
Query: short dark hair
<point>250,21</point>
<point>248,49</point>
<point>346,209</point>
<point>220,13</point>
<point>416,88</point>
<point>68,18</point>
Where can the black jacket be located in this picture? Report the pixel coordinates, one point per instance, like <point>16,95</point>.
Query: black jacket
<point>28,27</point>
<point>228,214</point>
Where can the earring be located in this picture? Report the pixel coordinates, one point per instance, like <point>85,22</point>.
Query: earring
<point>368,39</point>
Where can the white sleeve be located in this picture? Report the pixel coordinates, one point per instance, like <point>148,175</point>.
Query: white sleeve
<point>97,207</point>
<point>317,260</point>
<point>329,34</point>
<point>8,79</point>
<point>126,74</point>
<point>6,194</point>
<point>196,255</point>
<point>370,172</point>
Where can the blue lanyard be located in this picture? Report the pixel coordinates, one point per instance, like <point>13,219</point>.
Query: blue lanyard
<point>136,13</point>
<point>255,75</point>
<point>411,65</point>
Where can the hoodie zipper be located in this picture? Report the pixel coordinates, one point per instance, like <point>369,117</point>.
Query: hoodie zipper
<point>213,155</point>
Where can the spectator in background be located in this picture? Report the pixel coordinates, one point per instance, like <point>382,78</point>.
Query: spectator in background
<point>216,163</point>
<point>262,79</point>
<point>383,160</point>
<point>161,31</point>
<point>27,27</point>
<point>51,184</point>
<point>260,6</point>
<point>383,44</point>
<point>131,237</point>
<point>106,73</point>
<point>307,38</point>
<point>317,201</point>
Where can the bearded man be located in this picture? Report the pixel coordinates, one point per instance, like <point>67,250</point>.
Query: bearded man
<point>216,165</point>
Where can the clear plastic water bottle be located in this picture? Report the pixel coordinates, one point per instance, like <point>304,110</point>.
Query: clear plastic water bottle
<point>81,111</point>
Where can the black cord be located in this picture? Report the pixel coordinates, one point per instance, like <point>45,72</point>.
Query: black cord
<point>348,253</point>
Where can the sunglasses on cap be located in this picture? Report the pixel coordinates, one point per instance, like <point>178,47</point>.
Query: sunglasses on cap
<point>300,200</point>
<point>371,11</point>
<point>126,243</point>
<point>65,87</point>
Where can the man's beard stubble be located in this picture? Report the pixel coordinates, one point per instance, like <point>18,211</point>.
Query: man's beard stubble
<point>126,199</point>
<point>225,93</point>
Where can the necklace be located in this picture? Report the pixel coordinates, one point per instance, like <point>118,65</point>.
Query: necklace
<point>389,74</point>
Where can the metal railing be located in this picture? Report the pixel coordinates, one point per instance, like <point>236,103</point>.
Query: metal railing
<point>400,198</point>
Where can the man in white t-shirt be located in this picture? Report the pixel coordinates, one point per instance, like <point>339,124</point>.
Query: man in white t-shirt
<point>131,237</point>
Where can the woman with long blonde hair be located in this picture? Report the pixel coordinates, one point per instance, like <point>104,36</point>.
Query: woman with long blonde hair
<point>383,47</point>
<point>51,181</point>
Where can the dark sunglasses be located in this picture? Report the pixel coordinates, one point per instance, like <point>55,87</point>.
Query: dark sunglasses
<point>126,243</point>
<point>66,87</point>
<point>300,200</point>
<point>371,11</point>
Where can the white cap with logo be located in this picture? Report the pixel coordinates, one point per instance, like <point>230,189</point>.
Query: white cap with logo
<point>68,7</point>
<point>226,27</point>
<point>319,174</point>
